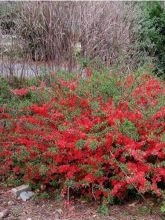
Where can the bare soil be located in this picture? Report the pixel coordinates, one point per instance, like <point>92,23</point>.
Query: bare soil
<point>51,209</point>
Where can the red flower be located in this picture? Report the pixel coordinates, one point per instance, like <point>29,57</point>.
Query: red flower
<point>16,170</point>
<point>20,92</point>
<point>84,103</point>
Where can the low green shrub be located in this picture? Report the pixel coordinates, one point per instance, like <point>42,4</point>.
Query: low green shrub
<point>101,137</point>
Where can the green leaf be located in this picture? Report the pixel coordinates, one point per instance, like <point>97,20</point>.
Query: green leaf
<point>93,145</point>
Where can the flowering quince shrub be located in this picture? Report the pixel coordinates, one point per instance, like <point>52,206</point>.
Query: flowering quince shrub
<point>84,143</point>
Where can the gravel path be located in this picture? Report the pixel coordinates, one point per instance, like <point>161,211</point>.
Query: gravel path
<point>51,209</point>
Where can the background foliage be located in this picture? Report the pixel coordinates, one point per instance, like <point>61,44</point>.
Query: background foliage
<point>123,35</point>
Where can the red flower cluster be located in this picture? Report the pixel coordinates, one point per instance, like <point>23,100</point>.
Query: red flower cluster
<point>101,150</point>
<point>19,92</point>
